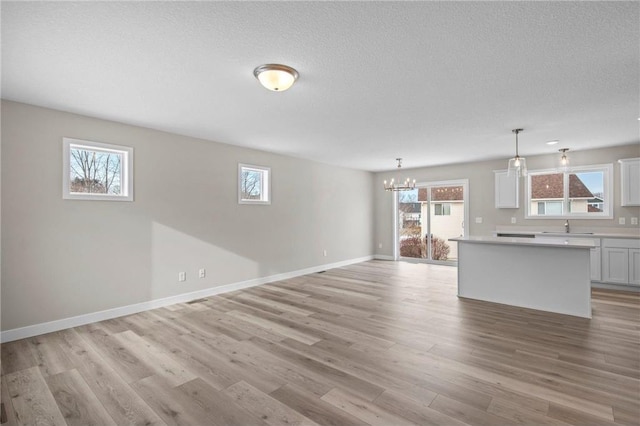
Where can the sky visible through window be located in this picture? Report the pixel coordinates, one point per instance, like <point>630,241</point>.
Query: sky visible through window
<point>592,180</point>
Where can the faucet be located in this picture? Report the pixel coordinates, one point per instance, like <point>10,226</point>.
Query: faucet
<point>566,226</point>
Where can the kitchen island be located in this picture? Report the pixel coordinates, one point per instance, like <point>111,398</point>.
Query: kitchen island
<point>548,274</point>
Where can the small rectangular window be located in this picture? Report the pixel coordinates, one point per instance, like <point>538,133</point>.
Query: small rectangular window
<point>442,209</point>
<point>96,171</point>
<point>253,184</point>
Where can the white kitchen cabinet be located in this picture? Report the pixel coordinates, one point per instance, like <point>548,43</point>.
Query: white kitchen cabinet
<point>634,266</point>
<point>630,182</point>
<point>507,194</point>
<point>596,264</point>
<point>621,261</point>
<point>615,265</point>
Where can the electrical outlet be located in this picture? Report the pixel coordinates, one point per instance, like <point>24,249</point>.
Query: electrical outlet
<point>622,221</point>
<point>182,276</point>
<point>478,219</point>
<point>202,273</point>
<point>379,245</point>
<point>513,220</point>
<point>324,253</point>
<point>634,220</point>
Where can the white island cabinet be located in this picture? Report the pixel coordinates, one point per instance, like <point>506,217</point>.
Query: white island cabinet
<point>548,274</point>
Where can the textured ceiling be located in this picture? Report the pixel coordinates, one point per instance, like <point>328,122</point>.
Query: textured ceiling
<point>433,82</point>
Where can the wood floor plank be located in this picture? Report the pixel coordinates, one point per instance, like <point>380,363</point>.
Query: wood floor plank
<point>221,408</point>
<point>32,400</point>
<point>9,416</point>
<point>155,358</point>
<point>117,397</point>
<point>283,307</point>
<point>173,407</point>
<point>362,409</point>
<point>270,410</point>
<point>275,327</point>
<point>121,359</point>
<point>353,362</point>
<point>238,369</point>
<point>315,408</point>
<point>367,390</point>
<point>519,415</point>
<point>576,417</point>
<point>417,412</point>
<point>48,354</point>
<point>465,413</point>
<point>76,401</point>
<point>17,356</point>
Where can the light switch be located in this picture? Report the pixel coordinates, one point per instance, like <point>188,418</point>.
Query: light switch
<point>622,221</point>
<point>513,220</point>
<point>478,219</point>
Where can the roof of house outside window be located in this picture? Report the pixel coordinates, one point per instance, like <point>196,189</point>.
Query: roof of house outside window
<point>411,207</point>
<point>445,193</point>
<point>550,186</point>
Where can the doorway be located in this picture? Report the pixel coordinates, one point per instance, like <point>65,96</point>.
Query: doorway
<point>427,217</point>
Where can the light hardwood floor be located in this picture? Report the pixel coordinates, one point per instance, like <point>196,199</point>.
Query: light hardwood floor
<point>379,343</point>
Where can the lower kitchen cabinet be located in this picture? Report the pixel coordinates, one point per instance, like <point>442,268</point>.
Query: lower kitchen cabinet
<point>621,261</point>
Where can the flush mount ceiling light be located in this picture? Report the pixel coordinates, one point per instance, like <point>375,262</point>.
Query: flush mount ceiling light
<point>397,186</point>
<point>276,77</point>
<point>564,161</point>
<point>553,142</point>
<point>517,164</point>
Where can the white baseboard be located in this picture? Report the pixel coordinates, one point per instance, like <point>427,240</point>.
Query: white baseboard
<point>608,286</point>
<point>49,327</point>
<point>383,257</point>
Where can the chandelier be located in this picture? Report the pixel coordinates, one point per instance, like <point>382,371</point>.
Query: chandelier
<point>394,185</point>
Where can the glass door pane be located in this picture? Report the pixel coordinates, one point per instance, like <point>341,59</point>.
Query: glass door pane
<point>412,243</point>
<point>427,217</point>
<point>446,220</point>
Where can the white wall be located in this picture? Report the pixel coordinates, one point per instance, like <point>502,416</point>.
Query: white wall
<point>62,258</point>
<point>481,194</point>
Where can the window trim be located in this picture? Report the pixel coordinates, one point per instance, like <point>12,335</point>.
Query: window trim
<point>126,170</point>
<point>265,190</point>
<point>607,211</point>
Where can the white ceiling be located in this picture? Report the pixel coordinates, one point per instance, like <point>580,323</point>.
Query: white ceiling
<point>433,82</point>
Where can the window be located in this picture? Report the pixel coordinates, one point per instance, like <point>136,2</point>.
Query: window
<point>583,192</point>
<point>253,184</point>
<point>96,171</point>
<point>442,209</point>
<point>553,208</point>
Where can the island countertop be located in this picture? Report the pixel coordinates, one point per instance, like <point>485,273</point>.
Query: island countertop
<point>536,242</point>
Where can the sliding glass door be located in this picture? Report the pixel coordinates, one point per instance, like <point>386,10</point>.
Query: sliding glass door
<point>428,216</point>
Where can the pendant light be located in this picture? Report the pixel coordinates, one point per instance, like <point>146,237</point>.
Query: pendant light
<point>407,185</point>
<point>564,161</point>
<point>276,77</point>
<point>517,164</point>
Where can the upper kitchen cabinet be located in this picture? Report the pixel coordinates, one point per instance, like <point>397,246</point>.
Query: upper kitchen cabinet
<point>507,190</point>
<point>630,181</point>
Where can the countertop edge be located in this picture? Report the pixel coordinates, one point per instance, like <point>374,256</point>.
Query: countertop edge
<point>580,243</point>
